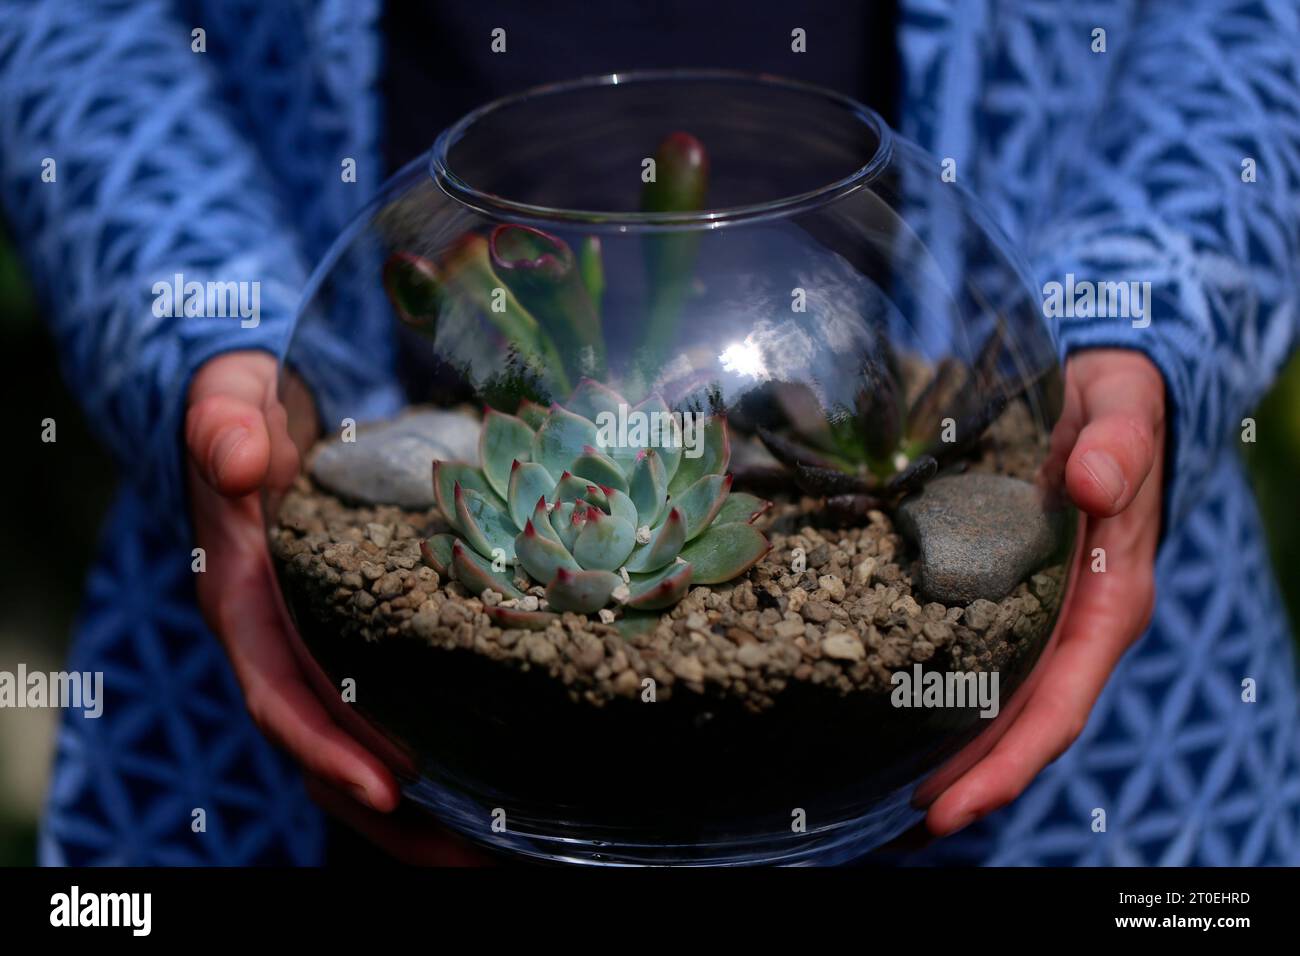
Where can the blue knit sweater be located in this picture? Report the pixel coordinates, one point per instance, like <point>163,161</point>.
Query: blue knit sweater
<point>225,164</point>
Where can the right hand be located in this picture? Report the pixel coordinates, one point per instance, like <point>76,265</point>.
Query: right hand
<point>236,432</point>
<point>238,438</point>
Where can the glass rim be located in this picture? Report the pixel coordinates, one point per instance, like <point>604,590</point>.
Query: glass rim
<point>490,204</point>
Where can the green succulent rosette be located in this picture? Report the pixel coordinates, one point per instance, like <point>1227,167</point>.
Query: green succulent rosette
<point>596,515</point>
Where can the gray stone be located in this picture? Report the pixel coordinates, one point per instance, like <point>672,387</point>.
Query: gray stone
<point>391,463</point>
<point>978,536</point>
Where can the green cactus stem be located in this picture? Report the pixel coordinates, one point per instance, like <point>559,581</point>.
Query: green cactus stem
<point>680,184</point>
<point>591,265</point>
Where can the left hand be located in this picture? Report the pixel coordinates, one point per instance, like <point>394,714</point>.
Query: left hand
<point>1111,437</point>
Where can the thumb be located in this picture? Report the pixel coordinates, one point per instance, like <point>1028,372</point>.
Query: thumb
<point>1123,414</point>
<point>229,443</point>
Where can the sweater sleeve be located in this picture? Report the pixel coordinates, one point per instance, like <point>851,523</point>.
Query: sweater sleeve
<point>123,181</point>
<point>1190,180</point>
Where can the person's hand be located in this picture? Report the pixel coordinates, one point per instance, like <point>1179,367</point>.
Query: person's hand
<point>238,441</point>
<point>237,435</point>
<point>1110,442</point>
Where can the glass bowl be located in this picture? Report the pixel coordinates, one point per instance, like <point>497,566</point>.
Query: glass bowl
<point>675,479</point>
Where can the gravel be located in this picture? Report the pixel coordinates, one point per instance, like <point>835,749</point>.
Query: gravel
<point>847,621</point>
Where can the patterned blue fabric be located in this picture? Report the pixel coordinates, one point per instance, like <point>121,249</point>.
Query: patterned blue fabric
<point>222,165</point>
<point>174,736</point>
<point>225,165</point>
<point>1128,165</point>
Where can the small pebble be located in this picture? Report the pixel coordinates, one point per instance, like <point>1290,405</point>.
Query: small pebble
<point>817,611</point>
<point>843,646</point>
<point>688,668</point>
<point>788,629</point>
<point>980,614</point>
<point>833,586</point>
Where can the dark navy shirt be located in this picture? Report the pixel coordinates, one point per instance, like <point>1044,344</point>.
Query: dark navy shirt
<point>440,63</point>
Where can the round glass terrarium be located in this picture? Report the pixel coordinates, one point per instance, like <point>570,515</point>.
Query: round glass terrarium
<point>676,482</point>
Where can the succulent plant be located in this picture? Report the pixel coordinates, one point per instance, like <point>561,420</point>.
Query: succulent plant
<point>467,274</point>
<point>887,446</point>
<point>545,299</point>
<point>543,274</point>
<point>680,184</point>
<point>634,524</point>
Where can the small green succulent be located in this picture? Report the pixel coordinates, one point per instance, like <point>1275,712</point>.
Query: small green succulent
<point>543,299</point>
<point>889,444</point>
<point>636,523</point>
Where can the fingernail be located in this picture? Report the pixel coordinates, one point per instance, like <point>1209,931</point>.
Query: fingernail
<point>360,795</point>
<point>225,447</point>
<point>1106,473</point>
